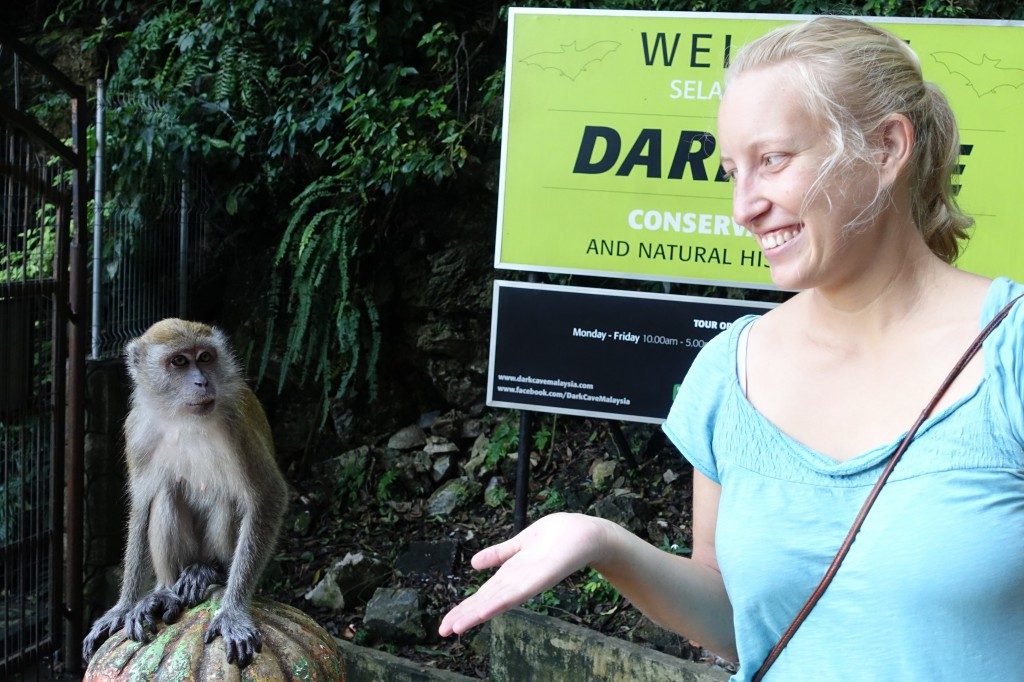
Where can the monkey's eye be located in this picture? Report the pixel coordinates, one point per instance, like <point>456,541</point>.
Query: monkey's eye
<point>205,356</point>
<point>179,361</point>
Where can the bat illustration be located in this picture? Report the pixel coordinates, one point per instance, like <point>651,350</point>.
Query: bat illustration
<point>570,61</point>
<point>983,76</point>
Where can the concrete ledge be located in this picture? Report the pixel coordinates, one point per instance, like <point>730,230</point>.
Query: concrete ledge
<point>363,664</point>
<point>528,646</point>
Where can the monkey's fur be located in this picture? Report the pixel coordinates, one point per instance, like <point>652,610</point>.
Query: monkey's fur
<point>207,497</point>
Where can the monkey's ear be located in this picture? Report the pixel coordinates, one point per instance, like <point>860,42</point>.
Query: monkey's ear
<point>133,353</point>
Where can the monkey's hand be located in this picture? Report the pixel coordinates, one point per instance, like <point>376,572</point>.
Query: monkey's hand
<point>161,604</point>
<point>106,625</point>
<point>242,641</point>
<point>194,581</point>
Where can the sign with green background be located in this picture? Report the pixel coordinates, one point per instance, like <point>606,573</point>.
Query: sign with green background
<point>610,164</point>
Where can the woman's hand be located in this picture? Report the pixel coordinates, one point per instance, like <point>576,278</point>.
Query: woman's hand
<point>541,556</point>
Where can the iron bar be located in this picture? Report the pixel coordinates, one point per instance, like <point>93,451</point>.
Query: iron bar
<point>37,132</point>
<point>183,244</point>
<point>42,65</point>
<point>78,347</point>
<point>97,224</point>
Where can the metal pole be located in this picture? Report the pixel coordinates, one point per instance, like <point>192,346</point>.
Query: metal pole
<point>79,345</point>
<point>522,471</point>
<point>97,223</point>
<point>523,463</point>
<point>183,244</point>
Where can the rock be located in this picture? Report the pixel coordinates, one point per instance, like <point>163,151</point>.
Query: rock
<point>427,419</point>
<point>661,639</point>
<point>627,511</point>
<point>348,464</point>
<point>449,338</point>
<point>480,445</point>
<point>365,664</point>
<point>326,594</point>
<point>475,466</point>
<point>529,646</point>
<point>412,469</point>
<point>358,575</point>
<point>477,455</point>
<point>480,640</point>
<point>602,473</point>
<point>342,418</point>
<point>495,493</point>
<point>427,558</point>
<point>578,497</point>
<point>442,465</point>
<point>437,445</point>
<point>447,425</point>
<point>458,382</point>
<point>301,524</point>
<point>451,496</point>
<point>395,615</point>
<point>408,438</point>
<point>472,428</point>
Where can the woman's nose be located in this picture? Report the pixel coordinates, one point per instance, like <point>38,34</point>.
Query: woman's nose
<point>748,201</point>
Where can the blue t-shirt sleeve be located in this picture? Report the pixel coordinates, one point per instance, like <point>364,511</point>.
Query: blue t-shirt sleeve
<point>690,424</point>
<point>1006,346</point>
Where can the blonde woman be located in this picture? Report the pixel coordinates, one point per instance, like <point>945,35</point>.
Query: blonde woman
<point>841,159</point>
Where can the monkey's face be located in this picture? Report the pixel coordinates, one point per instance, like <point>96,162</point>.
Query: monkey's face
<point>193,371</point>
<point>183,368</point>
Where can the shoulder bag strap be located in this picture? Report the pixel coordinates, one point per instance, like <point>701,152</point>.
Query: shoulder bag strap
<point>866,507</point>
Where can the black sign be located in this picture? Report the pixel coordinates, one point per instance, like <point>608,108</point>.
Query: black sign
<point>598,352</point>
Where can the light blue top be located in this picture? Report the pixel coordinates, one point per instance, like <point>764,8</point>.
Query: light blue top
<point>933,587</point>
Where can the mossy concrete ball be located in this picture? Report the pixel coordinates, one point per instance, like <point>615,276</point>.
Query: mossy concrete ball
<point>294,648</point>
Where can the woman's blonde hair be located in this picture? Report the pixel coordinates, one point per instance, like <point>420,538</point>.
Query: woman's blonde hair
<point>854,75</point>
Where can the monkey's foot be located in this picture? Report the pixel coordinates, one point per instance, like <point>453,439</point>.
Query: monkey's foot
<point>242,641</point>
<point>161,604</point>
<point>103,628</point>
<point>195,580</point>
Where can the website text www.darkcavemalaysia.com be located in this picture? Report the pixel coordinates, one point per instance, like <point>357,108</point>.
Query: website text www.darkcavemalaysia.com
<point>572,390</point>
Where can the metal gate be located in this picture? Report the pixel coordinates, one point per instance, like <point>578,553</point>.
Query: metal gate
<point>43,330</point>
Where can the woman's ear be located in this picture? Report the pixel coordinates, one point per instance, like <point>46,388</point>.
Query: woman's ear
<point>896,144</point>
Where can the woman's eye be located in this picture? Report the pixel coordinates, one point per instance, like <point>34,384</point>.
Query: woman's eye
<point>179,361</point>
<point>772,160</point>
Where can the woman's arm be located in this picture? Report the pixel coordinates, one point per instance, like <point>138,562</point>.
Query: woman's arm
<point>683,595</point>
<point>686,595</point>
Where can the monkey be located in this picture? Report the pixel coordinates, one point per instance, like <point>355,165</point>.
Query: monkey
<point>206,495</point>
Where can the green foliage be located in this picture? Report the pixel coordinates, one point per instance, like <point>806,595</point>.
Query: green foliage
<point>541,439</point>
<point>545,602</point>
<point>312,119</point>
<point>674,548</point>
<point>596,591</point>
<point>349,483</point>
<point>34,257</point>
<point>384,483</point>
<point>496,496</point>
<point>553,501</point>
<point>504,439</point>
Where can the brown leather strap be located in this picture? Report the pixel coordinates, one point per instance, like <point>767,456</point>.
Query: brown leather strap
<point>837,561</point>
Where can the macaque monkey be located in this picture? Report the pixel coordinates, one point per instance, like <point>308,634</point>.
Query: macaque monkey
<point>207,497</point>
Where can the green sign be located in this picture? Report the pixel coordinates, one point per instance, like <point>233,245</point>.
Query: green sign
<point>610,164</point>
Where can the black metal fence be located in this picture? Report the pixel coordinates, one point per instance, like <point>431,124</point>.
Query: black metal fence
<point>42,209</point>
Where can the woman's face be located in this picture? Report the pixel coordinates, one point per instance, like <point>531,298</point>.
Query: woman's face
<point>773,148</point>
